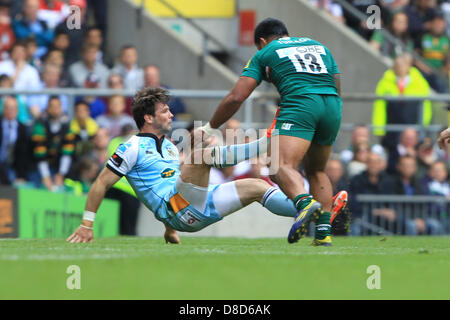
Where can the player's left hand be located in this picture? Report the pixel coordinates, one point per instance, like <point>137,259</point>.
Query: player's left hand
<point>81,235</point>
<point>171,236</point>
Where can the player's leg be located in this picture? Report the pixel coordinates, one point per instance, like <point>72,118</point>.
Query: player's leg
<point>320,187</point>
<point>330,111</point>
<point>232,196</point>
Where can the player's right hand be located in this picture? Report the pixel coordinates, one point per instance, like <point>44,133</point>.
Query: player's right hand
<point>81,235</point>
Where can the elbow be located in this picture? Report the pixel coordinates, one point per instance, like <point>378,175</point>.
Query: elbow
<point>235,98</point>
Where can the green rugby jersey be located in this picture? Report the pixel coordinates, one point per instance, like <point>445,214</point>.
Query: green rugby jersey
<point>434,49</point>
<point>296,66</point>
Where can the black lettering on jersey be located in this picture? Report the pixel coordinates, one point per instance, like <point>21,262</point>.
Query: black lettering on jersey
<point>116,160</point>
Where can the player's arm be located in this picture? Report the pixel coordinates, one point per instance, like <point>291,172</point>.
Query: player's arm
<point>232,102</point>
<point>337,81</point>
<point>105,180</point>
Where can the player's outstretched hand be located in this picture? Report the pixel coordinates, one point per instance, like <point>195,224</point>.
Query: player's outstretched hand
<point>81,235</point>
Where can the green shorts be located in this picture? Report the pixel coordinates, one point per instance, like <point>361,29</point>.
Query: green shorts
<point>316,118</point>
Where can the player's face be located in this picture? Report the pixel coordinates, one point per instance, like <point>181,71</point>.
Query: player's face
<point>163,118</point>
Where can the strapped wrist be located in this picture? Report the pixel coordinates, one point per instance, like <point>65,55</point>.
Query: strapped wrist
<point>89,216</point>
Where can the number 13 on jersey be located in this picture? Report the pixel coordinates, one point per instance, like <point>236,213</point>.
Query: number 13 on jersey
<point>305,58</point>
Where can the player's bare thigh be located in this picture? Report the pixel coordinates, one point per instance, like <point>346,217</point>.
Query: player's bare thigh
<point>290,151</point>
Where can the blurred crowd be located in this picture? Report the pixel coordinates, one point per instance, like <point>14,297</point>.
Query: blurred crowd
<point>40,50</point>
<point>420,26</point>
<point>40,146</point>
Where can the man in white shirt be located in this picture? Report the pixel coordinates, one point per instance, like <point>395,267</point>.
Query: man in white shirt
<point>133,75</point>
<point>24,76</point>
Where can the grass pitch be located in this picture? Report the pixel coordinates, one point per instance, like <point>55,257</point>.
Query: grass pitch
<point>226,268</point>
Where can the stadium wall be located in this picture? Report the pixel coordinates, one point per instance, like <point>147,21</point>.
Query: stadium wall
<point>177,57</point>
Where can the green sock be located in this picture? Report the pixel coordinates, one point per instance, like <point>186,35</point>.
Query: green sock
<point>302,200</point>
<point>323,227</point>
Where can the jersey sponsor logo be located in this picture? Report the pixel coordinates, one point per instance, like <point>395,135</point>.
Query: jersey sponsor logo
<point>123,147</point>
<point>287,126</point>
<point>248,63</point>
<point>189,219</point>
<point>116,160</point>
<point>306,59</point>
<point>171,152</point>
<point>167,173</point>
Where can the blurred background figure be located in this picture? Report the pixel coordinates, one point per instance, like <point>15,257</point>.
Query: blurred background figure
<point>116,118</point>
<point>53,146</point>
<point>14,143</point>
<point>84,128</point>
<point>6,31</point>
<point>152,79</point>
<point>132,75</point>
<point>30,25</point>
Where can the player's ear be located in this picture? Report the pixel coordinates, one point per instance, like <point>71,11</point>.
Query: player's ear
<point>148,118</point>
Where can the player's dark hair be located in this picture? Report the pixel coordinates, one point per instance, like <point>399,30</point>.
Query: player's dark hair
<point>144,102</point>
<point>268,28</point>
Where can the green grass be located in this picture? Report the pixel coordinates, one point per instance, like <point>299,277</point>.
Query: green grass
<point>226,268</point>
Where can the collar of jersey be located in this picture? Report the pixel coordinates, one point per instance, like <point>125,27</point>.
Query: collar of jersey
<point>158,141</point>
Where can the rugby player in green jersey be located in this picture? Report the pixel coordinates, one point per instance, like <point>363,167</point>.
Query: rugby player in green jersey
<point>308,120</point>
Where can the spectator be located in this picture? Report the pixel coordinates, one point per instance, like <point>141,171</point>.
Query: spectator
<point>29,25</point>
<point>377,182</point>
<point>7,34</point>
<point>406,182</point>
<point>84,174</point>
<point>56,57</point>
<point>402,80</point>
<point>53,145</point>
<point>399,29</point>
<point>50,80</point>
<point>24,113</point>
<point>127,67</point>
<point>14,143</point>
<point>61,41</point>
<point>100,10</point>
<point>84,128</point>
<point>101,142</point>
<point>152,79</point>
<point>122,190</point>
<point>94,37</point>
<point>427,154</point>
<point>115,81</point>
<point>77,35</point>
<point>96,104</point>
<point>79,71</point>
<point>258,170</point>
<point>437,181</point>
<point>434,47</point>
<point>335,171</point>
<point>116,118</point>
<point>359,161</point>
<point>332,8</point>
<point>419,14</point>
<point>32,49</point>
<point>407,146</point>
<point>53,12</point>
<point>360,134</point>
<point>24,76</point>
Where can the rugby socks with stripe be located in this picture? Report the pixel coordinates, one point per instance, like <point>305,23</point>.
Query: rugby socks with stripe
<point>323,227</point>
<point>278,203</point>
<point>302,200</point>
<point>228,156</point>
